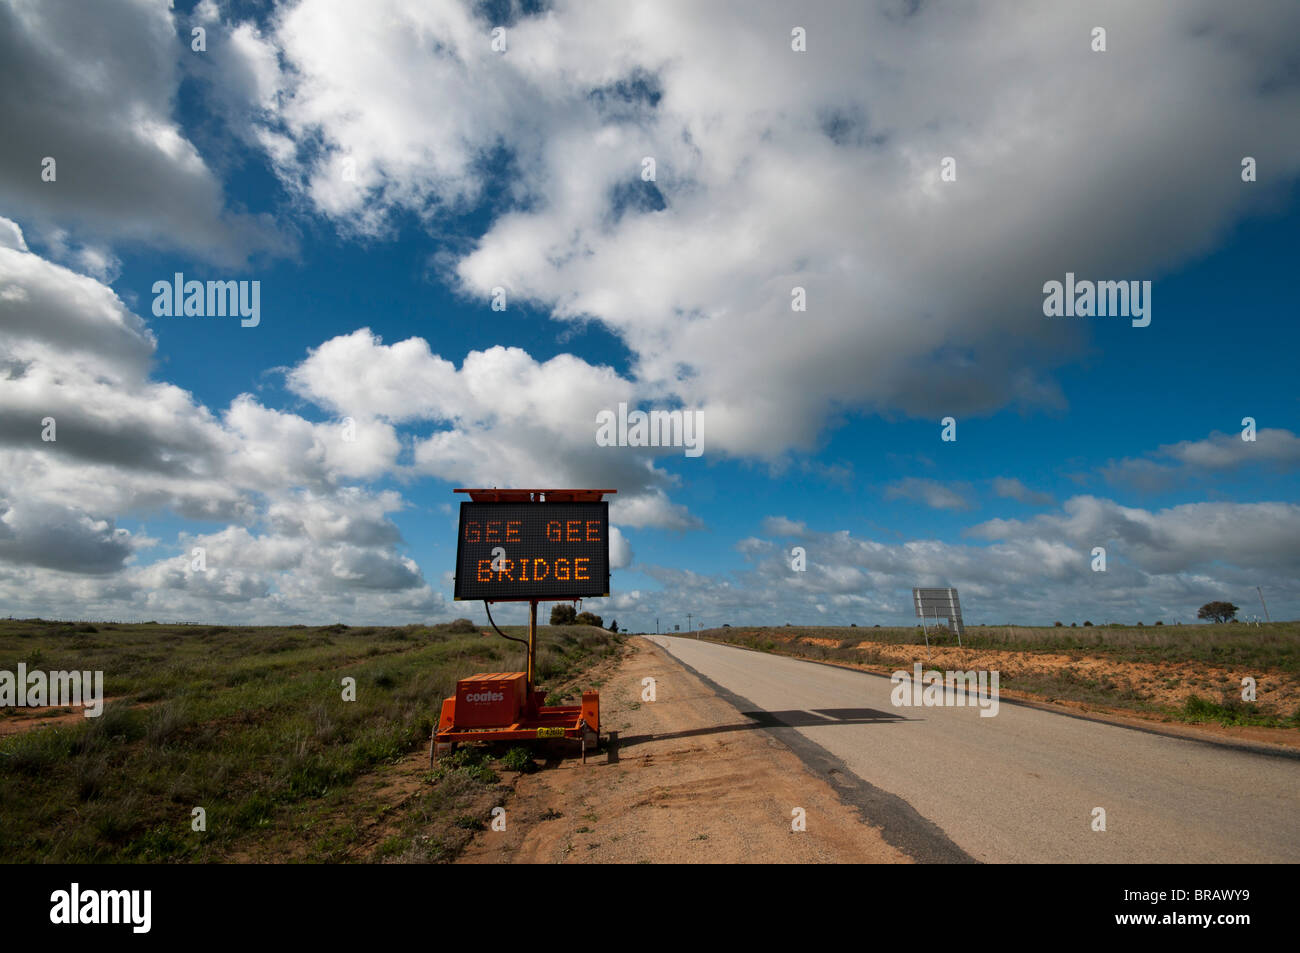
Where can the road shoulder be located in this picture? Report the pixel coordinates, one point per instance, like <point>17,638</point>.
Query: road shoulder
<point>694,781</point>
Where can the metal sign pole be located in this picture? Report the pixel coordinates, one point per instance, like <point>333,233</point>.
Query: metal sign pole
<point>955,618</point>
<point>532,641</point>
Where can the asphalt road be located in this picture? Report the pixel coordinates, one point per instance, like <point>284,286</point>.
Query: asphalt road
<point>1021,786</point>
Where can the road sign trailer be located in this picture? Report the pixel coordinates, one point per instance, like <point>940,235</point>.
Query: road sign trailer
<point>507,706</point>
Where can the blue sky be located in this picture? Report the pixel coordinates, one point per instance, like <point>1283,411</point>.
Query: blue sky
<point>476,168</point>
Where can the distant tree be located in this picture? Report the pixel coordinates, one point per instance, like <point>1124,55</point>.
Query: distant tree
<point>462,627</point>
<point>1158,622</point>
<point>563,614</point>
<point>613,625</point>
<point>1074,625</point>
<point>1087,623</point>
<point>589,618</point>
<point>1060,624</point>
<point>1217,612</point>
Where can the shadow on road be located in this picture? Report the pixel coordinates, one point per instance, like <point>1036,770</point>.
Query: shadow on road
<point>778,719</point>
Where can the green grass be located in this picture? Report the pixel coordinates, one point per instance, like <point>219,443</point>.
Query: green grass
<point>250,724</point>
<point>1233,712</point>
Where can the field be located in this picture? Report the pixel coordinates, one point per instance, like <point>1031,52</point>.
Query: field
<point>1190,673</point>
<point>250,725</point>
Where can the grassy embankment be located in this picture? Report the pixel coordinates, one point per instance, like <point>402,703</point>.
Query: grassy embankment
<point>250,724</point>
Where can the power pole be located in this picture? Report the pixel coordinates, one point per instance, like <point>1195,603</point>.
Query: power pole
<point>688,623</point>
<point>1263,603</point>
<point>656,625</point>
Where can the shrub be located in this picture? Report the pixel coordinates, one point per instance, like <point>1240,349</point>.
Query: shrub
<point>117,724</point>
<point>38,752</point>
<point>462,627</point>
<point>1087,624</point>
<point>518,758</point>
<point>165,722</point>
<point>91,773</point>
<point>589,618</point>
<point>563,614</point>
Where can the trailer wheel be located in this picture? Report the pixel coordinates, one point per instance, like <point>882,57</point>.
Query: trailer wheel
<point>439,750</point>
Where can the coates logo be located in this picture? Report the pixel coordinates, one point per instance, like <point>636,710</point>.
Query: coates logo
<point>485,697</point>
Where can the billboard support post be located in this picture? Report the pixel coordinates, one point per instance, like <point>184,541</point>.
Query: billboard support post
<point>532,640</point>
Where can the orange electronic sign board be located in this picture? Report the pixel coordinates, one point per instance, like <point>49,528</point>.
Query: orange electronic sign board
<point>527,550</point>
